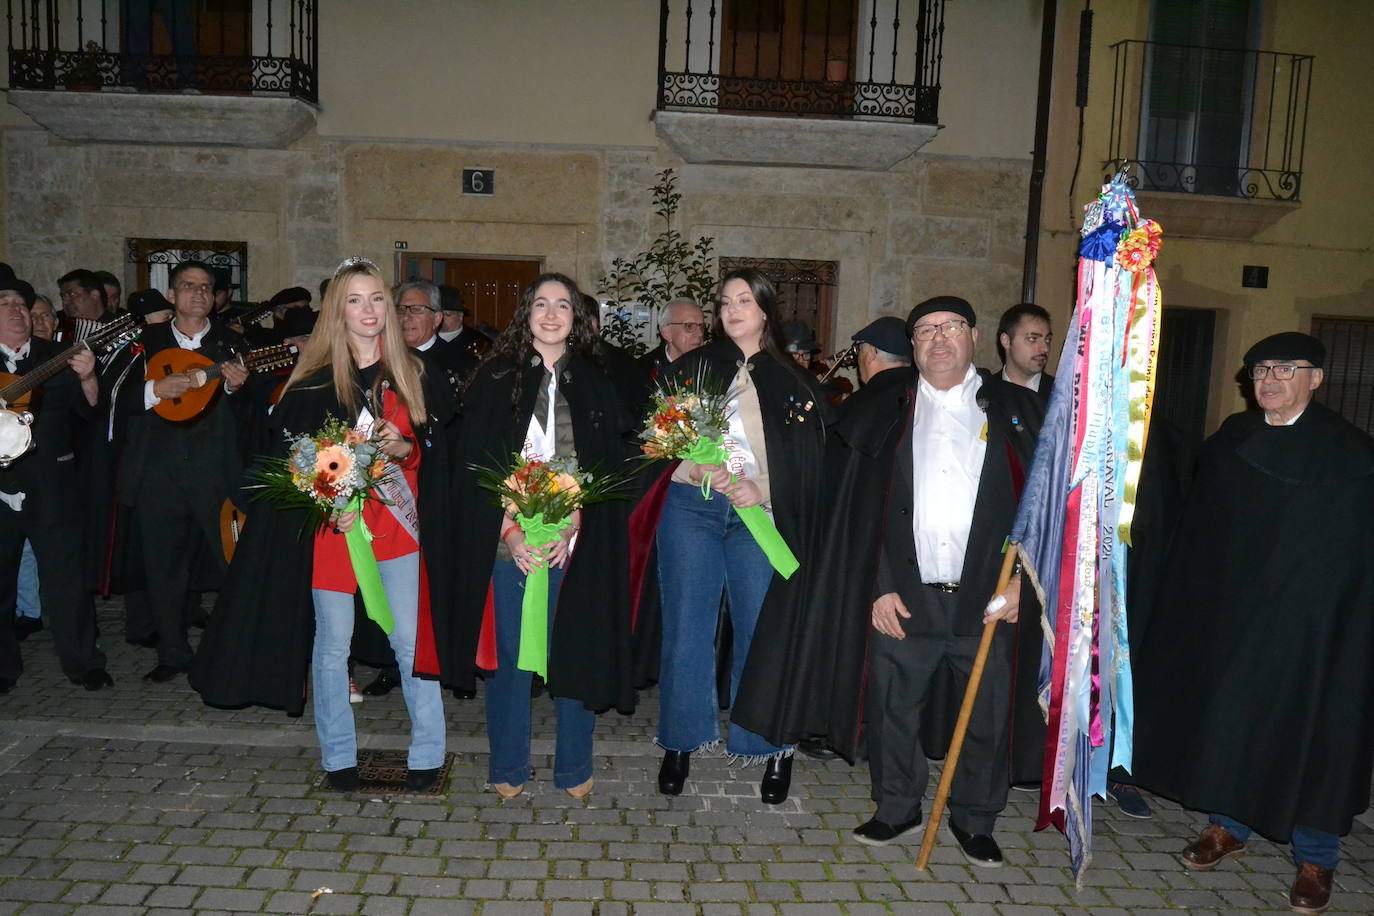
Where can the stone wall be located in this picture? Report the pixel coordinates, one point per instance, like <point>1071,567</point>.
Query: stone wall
<point>931,225</point>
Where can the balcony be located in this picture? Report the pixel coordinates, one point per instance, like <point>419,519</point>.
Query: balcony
<point>209,72</point>
<point>1214,136</point>
<point>838,83</point>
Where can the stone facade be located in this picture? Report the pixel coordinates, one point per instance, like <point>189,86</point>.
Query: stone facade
<point>930,225</point>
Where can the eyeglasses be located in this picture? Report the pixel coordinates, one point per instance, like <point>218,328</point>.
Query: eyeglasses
<point>688,326</point>
<point>1281,372</point>
<point>950,329</point>
<point>414,309</point>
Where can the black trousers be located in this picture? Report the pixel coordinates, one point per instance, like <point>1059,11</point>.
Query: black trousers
<point>67,604</point>
<point>176,526</point>
<point>899,680</point>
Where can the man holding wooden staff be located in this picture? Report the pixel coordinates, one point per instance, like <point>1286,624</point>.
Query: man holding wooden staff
<point>965,445</point>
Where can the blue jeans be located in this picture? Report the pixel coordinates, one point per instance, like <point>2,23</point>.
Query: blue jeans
<point>1309,845</point>
<point>329,671</point>
<point>27,603</point>
<point>704,547</point>
<point>507,695</point>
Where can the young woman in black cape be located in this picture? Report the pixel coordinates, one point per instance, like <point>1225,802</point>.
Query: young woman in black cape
<point>775,441</point>
<point>541,391</point>
<point>289,598</point>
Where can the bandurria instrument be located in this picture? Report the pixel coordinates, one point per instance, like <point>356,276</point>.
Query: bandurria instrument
<point>18,392</point>
<point>205,376</point>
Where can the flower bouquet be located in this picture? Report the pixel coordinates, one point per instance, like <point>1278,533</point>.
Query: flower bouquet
<point>690,421</point>
<point>336,469</point>
<point>541,496</point>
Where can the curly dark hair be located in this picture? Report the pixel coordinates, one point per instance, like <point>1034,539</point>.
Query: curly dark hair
<point>513,349</point>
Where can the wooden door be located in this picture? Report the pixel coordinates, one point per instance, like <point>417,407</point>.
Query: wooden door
<point>805,48</point>
<point>491,287</point>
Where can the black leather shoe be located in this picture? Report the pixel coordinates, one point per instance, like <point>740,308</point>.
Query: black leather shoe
<point>979,849</point>
<point>162,674</point>
<point>777,779</point>
<point>422,780</point>
<point>96,679</point>
<point>878,833</point>
<point>672,775</point>
<point>345,780</point>
<point>381,685</point>
<point>464,693</point>
<point>24,627</point>
<point>815,749</point>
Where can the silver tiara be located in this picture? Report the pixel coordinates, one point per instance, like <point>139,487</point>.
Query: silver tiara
<point>354,262</point>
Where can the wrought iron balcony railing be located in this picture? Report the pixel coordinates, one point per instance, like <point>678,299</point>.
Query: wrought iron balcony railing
<point>257,47</point>
<point>1224,121</point>
<point>819,58</point>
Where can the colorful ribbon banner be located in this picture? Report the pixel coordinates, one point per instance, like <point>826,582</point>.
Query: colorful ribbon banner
<point>534,607</point>
<point>359,541</point>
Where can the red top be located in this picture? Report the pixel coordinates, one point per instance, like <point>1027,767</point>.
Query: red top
<point>333,570</point>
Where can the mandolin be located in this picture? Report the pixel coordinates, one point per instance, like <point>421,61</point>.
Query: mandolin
<point>17,392</point>
<point>205,376</point>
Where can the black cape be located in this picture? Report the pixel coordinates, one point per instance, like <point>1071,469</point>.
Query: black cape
<point>820,678</point>
<point>589,655</point>
<point>1255,675</point>
<point>256,649</point>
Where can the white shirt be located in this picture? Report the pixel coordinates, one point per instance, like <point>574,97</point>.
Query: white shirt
<point>948,441</point>
<point>449,335</point>
<point>427,344</point>
<point>12,357</point>
<point>1033,384</point>
<point>186,343</point>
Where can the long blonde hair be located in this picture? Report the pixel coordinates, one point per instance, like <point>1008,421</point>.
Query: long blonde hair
<point>329,346</point>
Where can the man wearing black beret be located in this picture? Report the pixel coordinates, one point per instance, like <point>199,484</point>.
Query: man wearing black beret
<point>1255,675</point>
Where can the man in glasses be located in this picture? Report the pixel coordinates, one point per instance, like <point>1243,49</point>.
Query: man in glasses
<point>1023,342</point>
<point>1255,674</point>
<point>682,325</point>
<point>420,305</point>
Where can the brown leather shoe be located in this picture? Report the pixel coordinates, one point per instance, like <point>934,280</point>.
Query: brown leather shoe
<point>1209,850</point>
<point>1311,891</point>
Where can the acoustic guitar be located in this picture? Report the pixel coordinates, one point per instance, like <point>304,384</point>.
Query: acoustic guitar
<point>19,393</point>
<point>230,528</point>
<point>206,375</point>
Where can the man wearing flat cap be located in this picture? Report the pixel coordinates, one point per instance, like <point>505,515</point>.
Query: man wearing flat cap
<point>451,328</point>
<point>40,496</point>
<point>925,490</point>
<point>1255,675</point>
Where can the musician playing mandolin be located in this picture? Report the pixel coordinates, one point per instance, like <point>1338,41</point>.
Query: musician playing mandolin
<point>39,494</point>
<point>176,474</point>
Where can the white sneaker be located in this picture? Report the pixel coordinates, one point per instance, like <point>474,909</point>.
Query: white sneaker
<point>354,694</point>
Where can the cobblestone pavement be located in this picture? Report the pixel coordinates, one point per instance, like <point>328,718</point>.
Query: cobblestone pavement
<point>140,799</point>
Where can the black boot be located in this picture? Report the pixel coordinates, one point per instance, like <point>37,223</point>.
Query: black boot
<point>672,775</point>
<point>777,779</point>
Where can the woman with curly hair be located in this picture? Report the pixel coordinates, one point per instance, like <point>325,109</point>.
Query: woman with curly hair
<point>355,368</point>
<point>541,392</point>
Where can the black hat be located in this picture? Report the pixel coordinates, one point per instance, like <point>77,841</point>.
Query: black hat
<point>887,334</point>
<point>147,301</point>
<point>289,295</point>
<point>297,322</point>
<point>797,338</point>
<point>953,304</point>
<point>450,299</point>
<point>1288,345</point>
<point>8,280</point>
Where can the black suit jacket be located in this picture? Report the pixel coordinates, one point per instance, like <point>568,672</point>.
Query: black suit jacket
<point>1013,418</point>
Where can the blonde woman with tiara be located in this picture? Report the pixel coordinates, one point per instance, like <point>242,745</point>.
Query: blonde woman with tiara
<point>282,584</point>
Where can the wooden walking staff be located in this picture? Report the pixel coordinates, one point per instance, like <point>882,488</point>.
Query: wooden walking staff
<point>956,744</point>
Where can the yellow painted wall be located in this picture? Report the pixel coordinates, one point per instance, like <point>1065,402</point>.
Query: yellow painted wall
<point>1320,257</point>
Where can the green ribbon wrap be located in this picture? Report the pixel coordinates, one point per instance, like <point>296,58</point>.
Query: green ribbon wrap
<point>707,450</point>
<point>359,541</point>
<point>534,608</point>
